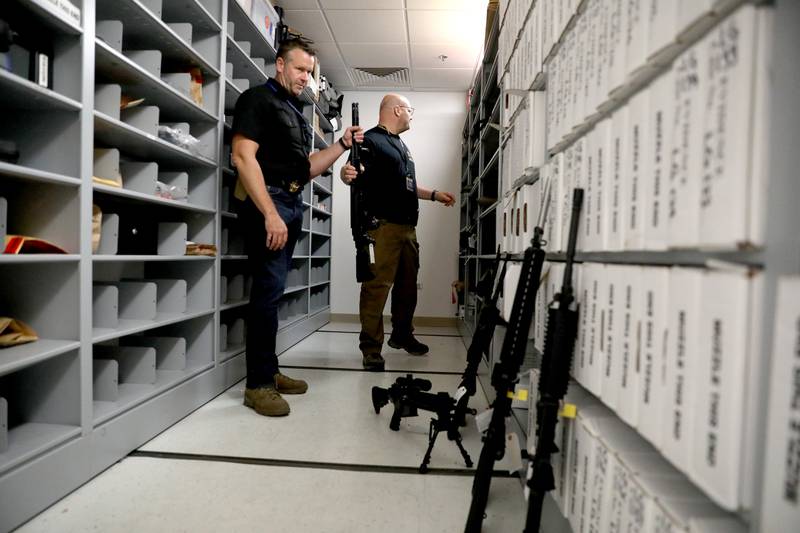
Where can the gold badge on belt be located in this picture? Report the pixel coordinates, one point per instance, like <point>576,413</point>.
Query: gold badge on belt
<point>294,186</point>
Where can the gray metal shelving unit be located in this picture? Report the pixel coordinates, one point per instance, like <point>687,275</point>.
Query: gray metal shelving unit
<point>479,180</point>
<point>137,335</point>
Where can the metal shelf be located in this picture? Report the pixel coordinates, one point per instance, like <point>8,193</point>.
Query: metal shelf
<point>135,80</point>
<point>53,21</point>
<point>322,188</point>
<point>30,440</point>
<point>234,304</point>
<point>319,142</point>
<point>695,258</point>
<point>23,355</point>
<point>243,66</point>
<point>20,93</point>
<point>132,394</point>
<point>246,30</point>
<point>192,10</point>
<point>232,93</point>
<point>27,173</point>
<point>117,134</point>
<point>491,209</point>
<point>131,326</point>
<point>143,31</point>
<point>150,198</point>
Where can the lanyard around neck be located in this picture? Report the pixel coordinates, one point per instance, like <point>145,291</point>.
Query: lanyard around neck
<point>275,90</point>
<point>402,149</point>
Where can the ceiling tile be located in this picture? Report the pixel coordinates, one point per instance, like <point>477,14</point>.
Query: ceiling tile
<point>361,4</point>
<point>471,5</point>
<point>338,77</point>
<point>375,55</point>
<point>442,78</point>
<point>446,27</point>
<point>329,57</point>
<point>310,23</point>
<point>297,4</point>
<point>368,26</point>
<point>427,56</point>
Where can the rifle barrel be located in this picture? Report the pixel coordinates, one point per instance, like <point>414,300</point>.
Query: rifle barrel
<point>577,203</point>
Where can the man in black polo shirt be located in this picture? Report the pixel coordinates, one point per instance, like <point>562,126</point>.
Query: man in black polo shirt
<point>392,196</point>
<point>271,143</point>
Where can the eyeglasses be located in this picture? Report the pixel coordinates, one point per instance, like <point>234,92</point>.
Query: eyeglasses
<point>410,109</point>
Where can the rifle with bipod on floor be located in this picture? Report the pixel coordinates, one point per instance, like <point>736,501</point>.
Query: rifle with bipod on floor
<point>409,394</point>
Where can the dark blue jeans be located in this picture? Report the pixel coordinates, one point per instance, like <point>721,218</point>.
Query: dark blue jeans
<point>268,269</point>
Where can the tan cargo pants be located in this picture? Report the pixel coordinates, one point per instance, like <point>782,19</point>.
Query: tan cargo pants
<point>396,267</point>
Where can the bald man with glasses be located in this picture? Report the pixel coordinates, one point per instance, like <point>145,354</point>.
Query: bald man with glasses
<point>392,196</point>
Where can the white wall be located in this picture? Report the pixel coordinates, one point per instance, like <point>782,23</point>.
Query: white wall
<point>435,142</point>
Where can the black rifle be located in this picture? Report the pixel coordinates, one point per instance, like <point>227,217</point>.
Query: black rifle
<point>408,394</point>
<point>488,318</point>
<point>505,372</point>
<point>360,219</point>
<point>562,327</point>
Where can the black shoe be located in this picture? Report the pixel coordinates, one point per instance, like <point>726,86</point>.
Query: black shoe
<point>411,345</point>
<point>374,362</point>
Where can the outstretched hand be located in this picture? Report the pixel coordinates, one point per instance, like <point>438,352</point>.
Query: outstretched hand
<point>445,198</point>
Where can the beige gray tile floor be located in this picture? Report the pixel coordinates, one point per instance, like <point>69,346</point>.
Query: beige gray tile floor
<point>146,495</point>
<point>333,422</point>
<point>340,350</point>
<point>332,465</point>
<point>355,327</point>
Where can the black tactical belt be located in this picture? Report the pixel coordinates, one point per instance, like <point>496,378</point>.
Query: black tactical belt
<point>290,186</point>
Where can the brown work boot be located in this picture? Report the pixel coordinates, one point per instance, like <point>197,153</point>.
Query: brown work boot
<point>266,401</point>
<point>409,344</point>
<point>287,385</point>
<point>373,361</point>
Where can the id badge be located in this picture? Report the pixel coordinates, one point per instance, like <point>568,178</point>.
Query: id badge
<point>410,183</point>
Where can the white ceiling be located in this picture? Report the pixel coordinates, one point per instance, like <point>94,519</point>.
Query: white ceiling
<point>409,34</point>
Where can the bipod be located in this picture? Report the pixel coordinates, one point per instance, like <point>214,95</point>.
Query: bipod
<point>436,427</point>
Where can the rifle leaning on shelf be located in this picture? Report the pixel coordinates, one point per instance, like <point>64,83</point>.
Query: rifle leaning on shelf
<point>360,219</point>
<point>562,327</point>
<point>505,372</point>
<point>488,319</point>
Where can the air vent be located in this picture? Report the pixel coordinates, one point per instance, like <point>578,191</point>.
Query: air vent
<point>381,77</point>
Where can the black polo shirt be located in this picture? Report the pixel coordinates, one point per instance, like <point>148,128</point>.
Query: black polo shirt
<point>272,117</point>
<point>389,179</point>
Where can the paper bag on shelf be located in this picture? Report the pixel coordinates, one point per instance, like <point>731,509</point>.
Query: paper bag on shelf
<point>13,332</point>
